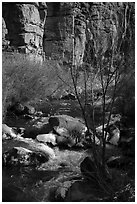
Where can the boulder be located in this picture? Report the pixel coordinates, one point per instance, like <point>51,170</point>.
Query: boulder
<point>62,125</point>
<point>65,141</point>
<point>46,150</point>
<point>62,131</point>
<point>8,132</point>
<point>53,121</point>
<point>60,137</point>
<point>34,130</point>
<point>47,138</point>
<point>19,156</point>
<point>71,123</point>
<point>114,134</point>
<point>35,146</point>
<point>68,129</point>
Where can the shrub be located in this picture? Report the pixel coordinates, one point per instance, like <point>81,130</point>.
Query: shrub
<point>23,81</point>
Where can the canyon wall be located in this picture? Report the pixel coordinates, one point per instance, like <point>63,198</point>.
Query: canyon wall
<point>49,30</point>
<point>23,27</point>
<point>62,22</point>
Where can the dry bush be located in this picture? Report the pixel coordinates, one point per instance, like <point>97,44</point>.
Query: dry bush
<point>23,81</point>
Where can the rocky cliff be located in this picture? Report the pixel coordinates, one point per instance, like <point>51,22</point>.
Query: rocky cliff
<point>23,27</point>
<point>62,22</point>
<point>51,29</point>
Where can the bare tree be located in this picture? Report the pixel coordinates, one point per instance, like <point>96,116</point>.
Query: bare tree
<point>108,73</point>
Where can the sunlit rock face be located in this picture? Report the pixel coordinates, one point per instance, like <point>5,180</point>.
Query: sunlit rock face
<point>62,30</point>
<point>62,22</point>
<point>75,27</point>
<point>23,27</point>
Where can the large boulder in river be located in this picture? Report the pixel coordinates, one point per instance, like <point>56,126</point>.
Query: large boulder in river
<point>71,123</point>
<point>33,145</point>
<point>60,137</point>
<point>47,138</point>
<point>69,130</point>
<point>19,156</point>
<point>64,138</point>
<point>42,127</point>
<point>73,126</point>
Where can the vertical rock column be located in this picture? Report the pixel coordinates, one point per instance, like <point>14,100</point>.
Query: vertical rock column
<point>58,38</point>
<point>102,31</point>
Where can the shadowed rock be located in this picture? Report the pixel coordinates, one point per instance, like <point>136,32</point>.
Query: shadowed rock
<point>19,156</point>
<point>114,134</point>
<point>22,109</point>
<point>119,162</point>
<point>92,170</point>
<point>69,96</point>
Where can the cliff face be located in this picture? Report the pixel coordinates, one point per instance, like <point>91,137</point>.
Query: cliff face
<point>23,27</point>
<point>47,29</point>
<point>61,23</point>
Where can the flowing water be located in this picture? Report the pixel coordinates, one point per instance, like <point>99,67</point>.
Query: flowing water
<point>27,184</point>
<point>36,184</point>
